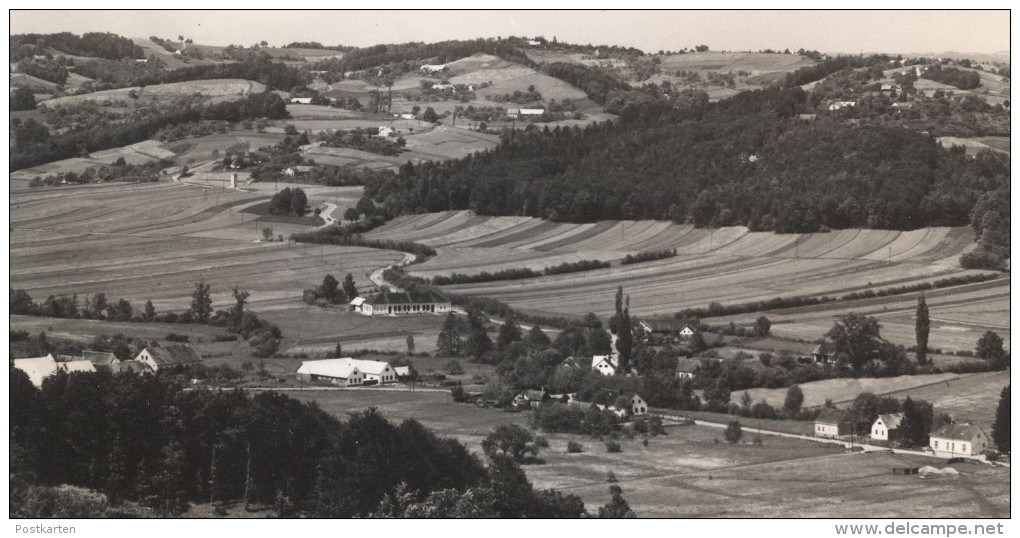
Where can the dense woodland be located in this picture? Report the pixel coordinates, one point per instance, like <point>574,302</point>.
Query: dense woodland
<point>144,440</point>
<point>91,44</point>
<point>742,161</point>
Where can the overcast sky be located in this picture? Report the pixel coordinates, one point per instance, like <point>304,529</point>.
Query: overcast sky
<point>826,31</point>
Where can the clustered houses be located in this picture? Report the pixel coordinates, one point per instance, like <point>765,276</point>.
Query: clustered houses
<point>348,371</point>
<point>389,303</point>
<point>671,330</point>
<point>951,440</point>
<point>148,361</point>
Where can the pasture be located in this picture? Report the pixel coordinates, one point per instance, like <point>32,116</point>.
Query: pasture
<point>727,265</point>
<point>688,474</point>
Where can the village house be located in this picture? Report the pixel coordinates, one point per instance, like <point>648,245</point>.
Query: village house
<point>78,365</point>
<point>530,398</point>
<point>517,112</point>
<point>347,371</point>
<point>958,440</point>
<point>442,87</point>
<point>174,356</point>
<point>403,372</point>
<point>605,364</point>
<point>134,367</point>
<point>821,354</point>
<point>686,368</point>
<point>102,360</point>
<point>673,329</point>
<point>390,303</point>
<point>638,406</point>
<point>300,170</point>
<point>837,105</point>
<point>833,423</point>
<point>886,426</point>
<point>385,131</point>
<point>301,101</point>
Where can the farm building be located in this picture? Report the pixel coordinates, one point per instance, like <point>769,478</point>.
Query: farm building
<point>822,355</point>
<point>517,112</point>
<point>605,364</point>
<point>134,367</point>
<point>79,365</point>
<point>347,371</point>
<point>685,368</point>
<point>442,87</point>
<point>885,426</point>
<point>833,423</point>
<point>301,101</point>
<point>638,406</point>
<point>959,440</point>
<point>169,357</point>
<point>670,328</point>
<point>300,170</point>
<point>102,360</point>
<point>837,105</point>
<point>432,68</point>
<point>385,131</point>
<point>404,116</point>
<point>530,398</point>
<point>403,303</point>
<point>37,368</point>
<point>403,372</point>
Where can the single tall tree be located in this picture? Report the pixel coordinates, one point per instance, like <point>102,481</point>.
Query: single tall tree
<point>350,288</point>
<point>1000,429</point>
<point>856,339</point>
<point>329,287</point>
<point>989,347</point>
<point>794,399</point>
<point>923,324</point>
<point>201,302</point>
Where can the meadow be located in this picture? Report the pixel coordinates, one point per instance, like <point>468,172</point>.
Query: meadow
<point>692,472</point>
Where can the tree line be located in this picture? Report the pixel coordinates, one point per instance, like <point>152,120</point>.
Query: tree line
<point>92,44</point>
<point>146,441</point>
<point>33,144</point>
<point>740,161</point>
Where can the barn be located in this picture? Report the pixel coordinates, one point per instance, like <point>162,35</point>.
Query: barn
<point>37,368</point>
<point>169,357</point>
<point>347,371</point>
<point>390,303</point>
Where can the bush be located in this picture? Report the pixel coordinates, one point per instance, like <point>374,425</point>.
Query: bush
<point>573,447</point>
<point>733,432</point>
<point>611,477</point>
<point>541,441</point>
<point>225,338</point>
<point>613,446</point>
<point>173,337</point>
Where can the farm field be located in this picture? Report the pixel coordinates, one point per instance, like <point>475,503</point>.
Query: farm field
<point>686,474</point>
<point>974,146</point>
<point>215,89</point>
<point>728,265</point>
<point>959,316</point>
<point>154,241</point>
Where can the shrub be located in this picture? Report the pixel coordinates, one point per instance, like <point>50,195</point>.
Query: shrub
<point>611,477</point>
<point>541,441</point>
<point>573,447</point>
<point>173,337</point>
<point>733,432</point>
<point>613,446</point>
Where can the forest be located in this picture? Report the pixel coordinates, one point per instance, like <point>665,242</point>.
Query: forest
<point>742,161</point>
<point>144,440</point>
<point>93,44</point>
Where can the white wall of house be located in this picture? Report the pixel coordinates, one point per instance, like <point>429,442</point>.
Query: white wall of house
<point>949,448</point>
<point>146,357</point>
<point>826,430</point>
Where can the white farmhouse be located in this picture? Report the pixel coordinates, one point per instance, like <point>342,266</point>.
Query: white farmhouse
<point>404,303</point>
<point>170,357</point>
<point>886,426</point>
<point>638,406</point>
<point>959,440</point>
<point>605,364</point>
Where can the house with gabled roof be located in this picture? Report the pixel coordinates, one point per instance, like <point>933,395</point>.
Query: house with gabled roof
<point>37,368</point>
<point>530,398</point>
<point>101,360</point>
<point>173,356</point>
<point>886,427</point>
<point>605,364</point>
<point>347,371</point>
<point>390,303</point>
<point>833,423</point>
<point>686,368</point>
<point>79,365</point>
<point>959,440</point>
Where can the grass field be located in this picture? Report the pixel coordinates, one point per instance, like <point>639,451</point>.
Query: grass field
<point>728,265</point>
<point>213,89</point>
<point>688,474</point>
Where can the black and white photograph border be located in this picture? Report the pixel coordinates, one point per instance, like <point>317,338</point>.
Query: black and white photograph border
<point>279,267</point>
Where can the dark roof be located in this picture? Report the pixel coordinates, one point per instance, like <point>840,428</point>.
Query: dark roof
<point>133,367</point>
<point>832,416</point>
<point>575,362</point>
<point>666,324</point>
<point>687,365</point>
<point>963,432</point>
<point>99,358</point>
<point>415,297</point>
<point>174,354</point>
